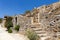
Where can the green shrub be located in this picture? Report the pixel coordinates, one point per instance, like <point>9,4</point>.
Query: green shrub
<point>8,18</point>
<point>8,25</point>
<point>9,31</point>
<point>8,22</point>
<point>27,11</point>
<point>0,20</point>
<point>32,35</point>
<point>17,27</point>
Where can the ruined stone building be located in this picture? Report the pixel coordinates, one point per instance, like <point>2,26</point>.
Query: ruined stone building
<point>44,20</point>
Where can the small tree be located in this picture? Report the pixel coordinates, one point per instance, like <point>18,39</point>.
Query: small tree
<point>17,27</point>
<point>32,35</point>
<point>0,20</point>
<point>8,22</point>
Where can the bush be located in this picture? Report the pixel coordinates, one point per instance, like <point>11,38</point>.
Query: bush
<point>0,20</point>
<point>8,18</point>
<point>8,25</point>
<point>17,27</point>
<point>32,35</point>
<point>8,22</point>
<point>9,31</point>
<point>27,11</point>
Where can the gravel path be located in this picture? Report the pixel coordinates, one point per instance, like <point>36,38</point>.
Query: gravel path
<point>7,36</point>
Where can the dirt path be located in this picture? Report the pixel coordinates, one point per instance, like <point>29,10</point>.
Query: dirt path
<point>7,36</point>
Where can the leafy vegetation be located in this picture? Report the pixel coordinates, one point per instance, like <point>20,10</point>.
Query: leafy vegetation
<point>32,35</point>
<point>17,27</point>
<point>8,22</point>
<point>0,20</point>
<point>28,11</point>
<point>9,31</point>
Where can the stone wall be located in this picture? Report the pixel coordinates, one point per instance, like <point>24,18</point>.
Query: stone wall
<point>23,21</point>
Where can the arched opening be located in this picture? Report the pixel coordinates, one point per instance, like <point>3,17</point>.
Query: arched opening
<point>16,19</point>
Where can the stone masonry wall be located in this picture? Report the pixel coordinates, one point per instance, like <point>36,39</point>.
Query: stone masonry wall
<point>23,21</point>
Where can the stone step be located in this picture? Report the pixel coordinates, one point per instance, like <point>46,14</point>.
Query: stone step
<point>44,38</point>
<point>33,27</point>
<point>42,35</point>
<point>37,29</point>
<point>40,32</point>
<point>37,26</point>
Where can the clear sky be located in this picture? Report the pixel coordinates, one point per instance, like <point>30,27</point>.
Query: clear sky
<point>13,7</point>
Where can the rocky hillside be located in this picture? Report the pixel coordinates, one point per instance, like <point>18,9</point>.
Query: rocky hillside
<point>50,18</point>
<point>50,15</point>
